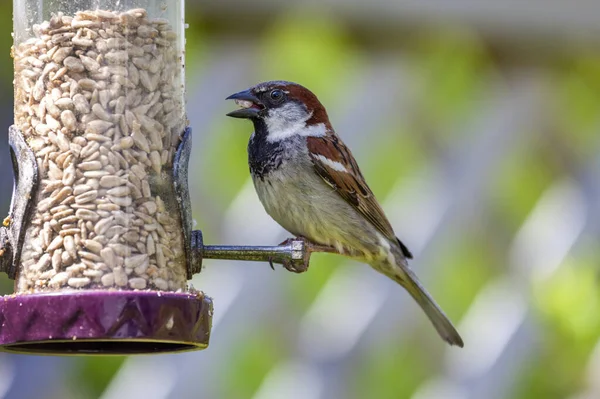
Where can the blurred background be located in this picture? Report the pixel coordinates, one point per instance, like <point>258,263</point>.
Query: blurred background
<point>477,125</point>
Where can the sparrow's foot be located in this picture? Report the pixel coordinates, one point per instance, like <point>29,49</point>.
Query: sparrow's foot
<point>300,255</point>
<point>295,266</point>
<point>302,248</point>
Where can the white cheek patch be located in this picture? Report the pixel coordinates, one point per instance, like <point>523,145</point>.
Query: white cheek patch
<point>335,165</point>
<point>286,117</point>
<point>298,129</point>
<point>290,120</point>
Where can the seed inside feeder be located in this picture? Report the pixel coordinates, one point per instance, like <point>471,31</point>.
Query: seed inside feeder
<point>98,99</point>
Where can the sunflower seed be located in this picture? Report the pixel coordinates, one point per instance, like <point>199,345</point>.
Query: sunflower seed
<point>120,276</point>
<point>79,282</point>
<point>108,280</point>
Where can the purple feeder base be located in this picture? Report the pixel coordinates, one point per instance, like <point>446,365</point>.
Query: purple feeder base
<point>104,322</point>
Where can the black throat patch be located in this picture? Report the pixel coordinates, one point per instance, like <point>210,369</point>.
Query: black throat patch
<point>263,156</point>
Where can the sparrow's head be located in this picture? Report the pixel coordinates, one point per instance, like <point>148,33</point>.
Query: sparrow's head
<point>283,108</point>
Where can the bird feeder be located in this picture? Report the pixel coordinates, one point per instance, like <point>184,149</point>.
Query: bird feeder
<point>99,235</point>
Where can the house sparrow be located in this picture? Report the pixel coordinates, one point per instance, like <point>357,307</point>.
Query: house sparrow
<point>309,182</point>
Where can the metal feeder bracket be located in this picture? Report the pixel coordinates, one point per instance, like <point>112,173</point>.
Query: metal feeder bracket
<point>26,181</point>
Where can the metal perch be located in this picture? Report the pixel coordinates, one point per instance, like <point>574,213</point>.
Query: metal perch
<point>293,254</point>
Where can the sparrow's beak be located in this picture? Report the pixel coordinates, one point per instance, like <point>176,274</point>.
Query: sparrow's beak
<point>249,103</point>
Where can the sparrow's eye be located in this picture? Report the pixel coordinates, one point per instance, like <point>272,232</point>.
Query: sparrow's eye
<point>276,95</point>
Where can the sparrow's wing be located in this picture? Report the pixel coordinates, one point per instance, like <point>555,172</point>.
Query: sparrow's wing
<point>334,162</point>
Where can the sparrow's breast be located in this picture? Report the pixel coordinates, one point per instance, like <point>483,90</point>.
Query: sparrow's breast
<point>303,204</point>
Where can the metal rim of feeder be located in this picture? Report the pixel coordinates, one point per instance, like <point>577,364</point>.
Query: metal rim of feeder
<point>105,323</point>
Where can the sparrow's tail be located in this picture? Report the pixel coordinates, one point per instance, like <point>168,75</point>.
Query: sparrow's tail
<point>407,279</point>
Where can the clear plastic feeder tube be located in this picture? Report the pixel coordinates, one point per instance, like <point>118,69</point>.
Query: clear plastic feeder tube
<point>99,98</point>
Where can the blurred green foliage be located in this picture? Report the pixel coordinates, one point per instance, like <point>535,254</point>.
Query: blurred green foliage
<point>578,103</point>
<point>389,372</point>
<point>568,307</point>
<point>451,66</point>
<point>469,265</point>
<point>303,291</point>
<point>570,300</point>
<point>228,150</point>
<point>5,44</point>
<point>97,374</point>
<point>390,162</point>
<point>524,174</point>
<point>251,360</point>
